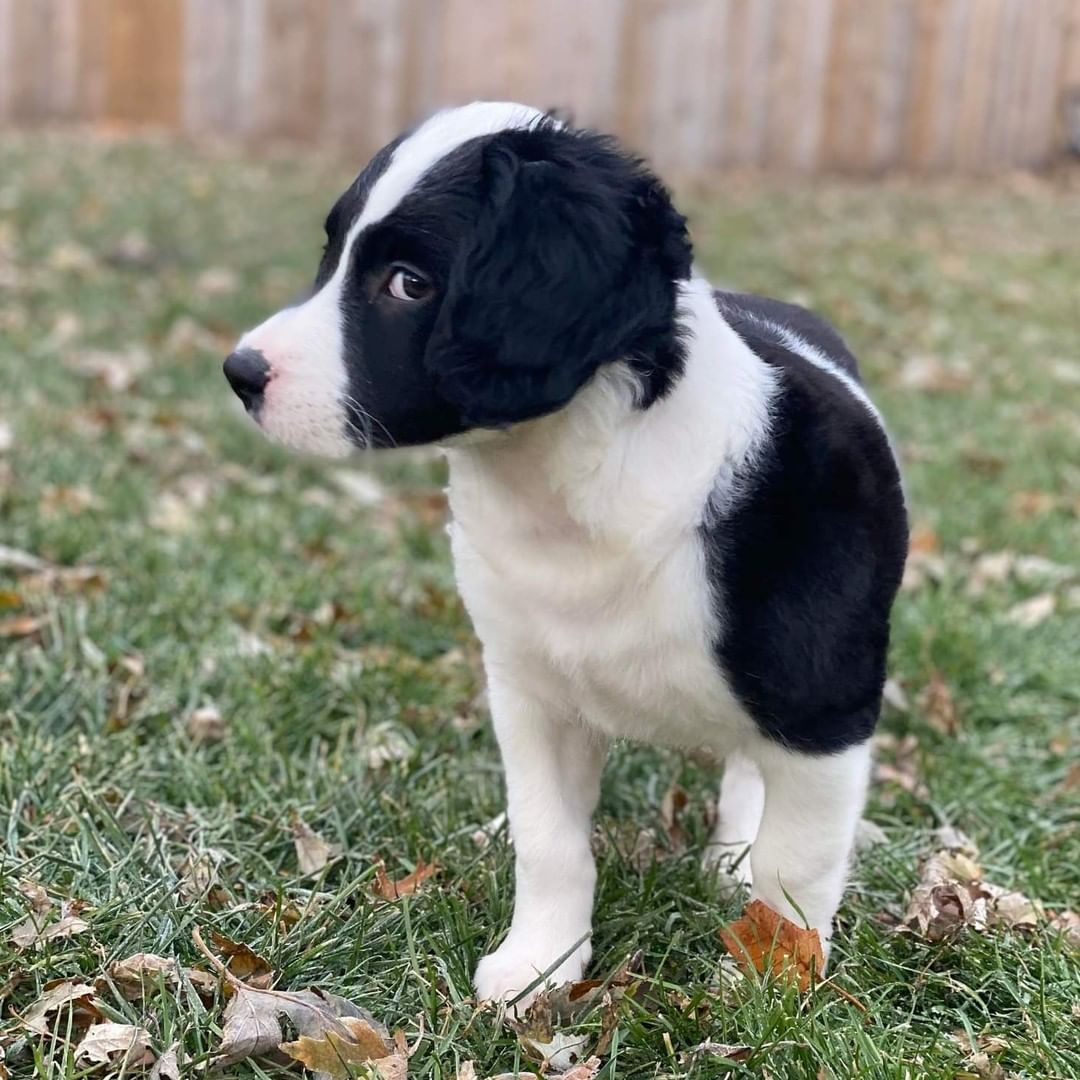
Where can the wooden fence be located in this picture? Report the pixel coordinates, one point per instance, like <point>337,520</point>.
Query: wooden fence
<point>854,85</point>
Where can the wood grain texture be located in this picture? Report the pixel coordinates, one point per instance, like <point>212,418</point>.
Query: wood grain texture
<point>791,85</point>
<point>144,58</point>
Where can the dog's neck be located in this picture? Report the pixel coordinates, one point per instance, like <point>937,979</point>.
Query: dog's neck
<point>605,467</point>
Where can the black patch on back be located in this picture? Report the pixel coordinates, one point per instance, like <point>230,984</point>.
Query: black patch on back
<point>753,316</point>
<point>808,561</point>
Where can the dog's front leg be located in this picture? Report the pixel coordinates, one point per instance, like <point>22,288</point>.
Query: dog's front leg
<point>553,765</point>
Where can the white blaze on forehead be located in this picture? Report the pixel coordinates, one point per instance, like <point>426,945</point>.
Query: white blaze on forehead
<point>427,146</point>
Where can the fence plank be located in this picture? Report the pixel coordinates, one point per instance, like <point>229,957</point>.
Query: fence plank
<point>895,83</point>
<point>291,79</point>
<point>751,28</point>
<point>7,31</point>
<point>92,58</point>
<point>1067,121</point>
<point>42,60</point>
<point>573,59</point>
<point>976,81</point>
<point>144,57</point>
<point>1041,122</point>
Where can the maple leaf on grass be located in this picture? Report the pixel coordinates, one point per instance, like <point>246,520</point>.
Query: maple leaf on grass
<point>331,1030</point>
<point>952,896</point>
<point>389,889</point>
<point>540,1030</point>
<point>64,993</point>
<point>166,1067</point>
<point>243,964</point>
<point>763,940</point>
<point>332,1056</point>
<point>312,851</point>
<point>123,1045</point>
<point>36,929</point>
<point>142,974</point>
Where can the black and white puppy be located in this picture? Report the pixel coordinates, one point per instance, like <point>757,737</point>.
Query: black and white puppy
<point>676,513</point>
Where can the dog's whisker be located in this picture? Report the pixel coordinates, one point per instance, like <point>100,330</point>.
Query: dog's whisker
<point>368,420</point>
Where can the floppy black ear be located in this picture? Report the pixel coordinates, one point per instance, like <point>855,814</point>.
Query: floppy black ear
<point>572,265</point>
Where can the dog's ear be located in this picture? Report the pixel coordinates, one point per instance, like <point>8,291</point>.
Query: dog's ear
<point>572,264</point>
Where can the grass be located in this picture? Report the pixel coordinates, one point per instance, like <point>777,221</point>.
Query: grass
<point>327,633</point>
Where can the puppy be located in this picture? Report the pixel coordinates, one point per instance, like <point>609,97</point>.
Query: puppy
<point>676,513</point>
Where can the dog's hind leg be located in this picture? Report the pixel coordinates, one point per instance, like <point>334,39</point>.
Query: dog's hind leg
<point>739,809</point>
<point>813,803</point>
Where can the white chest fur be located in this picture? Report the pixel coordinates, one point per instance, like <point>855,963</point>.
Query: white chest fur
<point>616,637</point>
<point>577,548</point>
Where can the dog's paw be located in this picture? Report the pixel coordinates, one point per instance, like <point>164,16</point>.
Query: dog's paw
<point>516,964</point>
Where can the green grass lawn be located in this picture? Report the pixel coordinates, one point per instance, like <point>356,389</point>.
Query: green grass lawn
<point>317,615</point>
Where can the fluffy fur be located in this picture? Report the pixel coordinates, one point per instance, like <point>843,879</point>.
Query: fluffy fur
<point>676,514</point>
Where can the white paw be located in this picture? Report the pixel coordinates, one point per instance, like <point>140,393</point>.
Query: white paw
<point>730,863</point>
<point>517,963</point>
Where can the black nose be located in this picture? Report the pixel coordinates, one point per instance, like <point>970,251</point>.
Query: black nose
<point>248,373</point>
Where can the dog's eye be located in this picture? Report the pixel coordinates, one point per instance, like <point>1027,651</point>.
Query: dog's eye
<point>407,284</point>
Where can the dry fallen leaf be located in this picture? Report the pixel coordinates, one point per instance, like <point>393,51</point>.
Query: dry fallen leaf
<point>390,889</point>
<point>206,724</point>
<point>954,839</point>
<point>36,895</point>
<point>764,940</point>
<point>252,1025</point>
<point>938,706</point>
<point>21,626</point>
<point>1031,504</point>
<point>146,973</point>
<point>361,487</point>
<point>894,696</point>
<point>978,1058</point>
<point>990,568</point>
<point>312,851</point>
<point>931,375</point>
<point>122,1045</point>
<point>57,995</point>
<point>199,879</point>
<point>952,896</point>
<point>16,559</point>
<point>540,1028</point>
<point>253,1018</point>
<point>585,1070</point>
<point>1033,611</point>
<point>718,1050</point>
<point>903,768</point>
<point>35,930</point>
<point>65,579</point>
<point>672,806</point>
<point>243,963</point>
<point>217,281</point>
<point>140,972</point>
<point>331,1055</point>
<point>166,1067</point>
<point>1067,923</point>
<point>115,371</point>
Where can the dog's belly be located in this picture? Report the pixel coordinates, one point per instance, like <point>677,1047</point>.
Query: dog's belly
<point>619,639</point>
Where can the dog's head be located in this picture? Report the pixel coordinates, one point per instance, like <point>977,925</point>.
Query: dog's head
<point>476,274</point>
